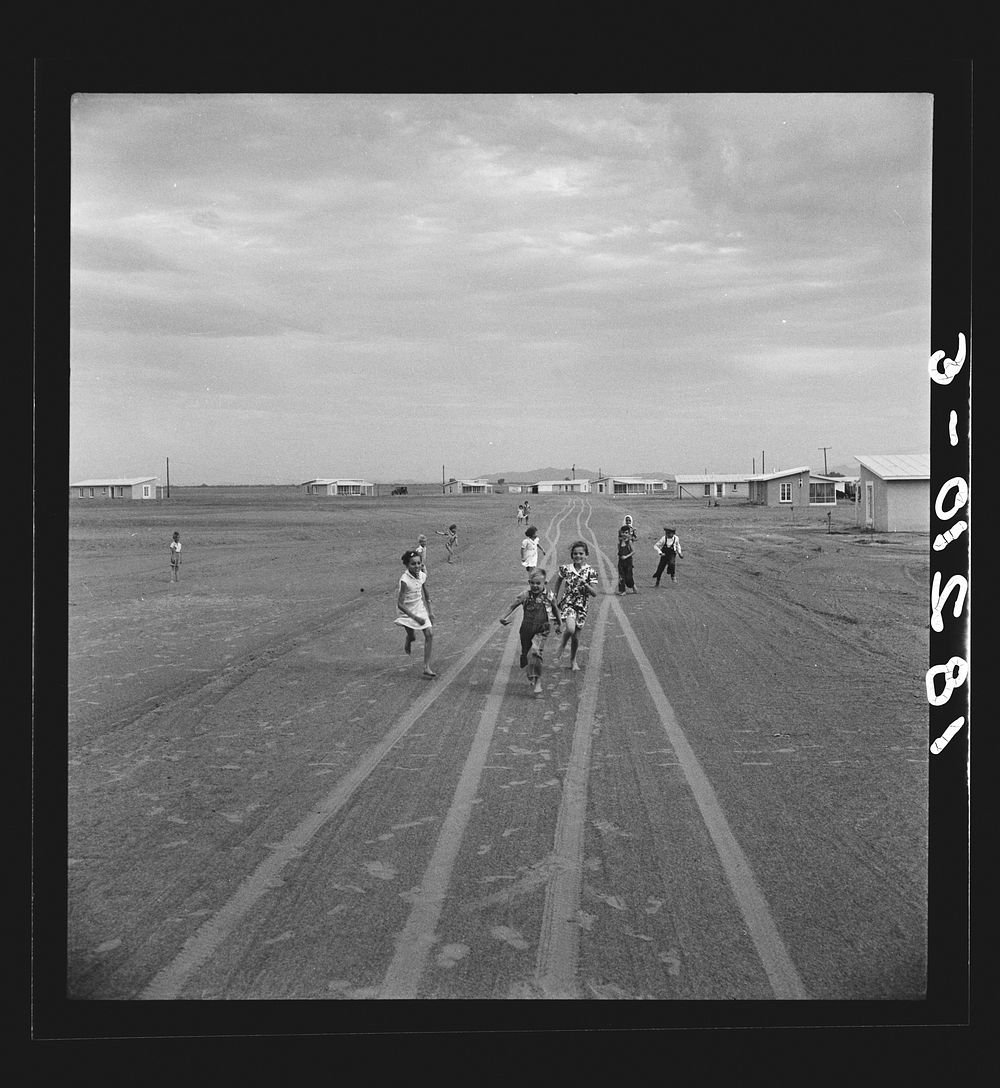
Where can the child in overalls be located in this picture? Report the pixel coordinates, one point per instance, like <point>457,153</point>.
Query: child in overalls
<point>539,606</point>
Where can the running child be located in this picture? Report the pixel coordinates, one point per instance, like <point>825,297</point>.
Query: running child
<point>175,558</point>
<point>451,543</point>
<point>530,549</point>
<point>414,604</point>
<point>579,579</point>
<point>669,547</point>
<point>539,606</point>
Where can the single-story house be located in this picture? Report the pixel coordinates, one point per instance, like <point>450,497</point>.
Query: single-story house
<point>896,491</point>
<point>628,485</point>
<point>787,487</point>
<point>468,487</point>
<point>338,487</point>
<point>138,487</point>
<point>718,485</point>
<point>576,486</point>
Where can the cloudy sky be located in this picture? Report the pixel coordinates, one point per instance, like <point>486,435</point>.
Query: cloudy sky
<point>269,288</point>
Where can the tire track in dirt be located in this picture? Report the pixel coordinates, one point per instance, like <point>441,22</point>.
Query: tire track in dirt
<point>414,944</point>
<point>774,956</point>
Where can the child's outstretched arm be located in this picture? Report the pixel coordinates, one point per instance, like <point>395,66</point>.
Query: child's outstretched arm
<point>505,618</point>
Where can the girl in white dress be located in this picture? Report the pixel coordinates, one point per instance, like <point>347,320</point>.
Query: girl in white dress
<point>414,606</point>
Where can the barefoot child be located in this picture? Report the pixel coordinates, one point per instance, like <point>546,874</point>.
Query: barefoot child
<point>175,558</point>
<point>579,579</point>
<point>539,606</point>
<point>451,543</point>
<point>414,605</point>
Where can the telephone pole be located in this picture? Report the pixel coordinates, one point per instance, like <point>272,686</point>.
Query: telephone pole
<point>824,449</point>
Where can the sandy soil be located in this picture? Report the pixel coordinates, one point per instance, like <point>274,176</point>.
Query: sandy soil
<point>267,801</point>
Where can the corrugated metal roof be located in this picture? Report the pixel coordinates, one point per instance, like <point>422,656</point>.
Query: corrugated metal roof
<point>897,466</point>
<point>115,481</point>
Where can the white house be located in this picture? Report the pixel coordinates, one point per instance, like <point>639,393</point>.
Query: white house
<point>468,487</point>
<point>577,486</point>
<point>338,487</point>
<point>628,485</point>
<point>718,485</point>
<point>138,487</point>
<point>895,490</point>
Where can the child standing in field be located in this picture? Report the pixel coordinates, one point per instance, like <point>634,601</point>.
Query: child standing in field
<point>579,578</point>
<point>414,605</point>
<point>175,558</point>
<point>539,606</point>
<point>626,579</point>
<point>669,547</point>
<point>451,541</point>
<point>421,550</point>
<point>530,549</point>
<point>520,515</point>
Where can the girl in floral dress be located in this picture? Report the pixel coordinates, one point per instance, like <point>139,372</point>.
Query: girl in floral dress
<point>578,579</point>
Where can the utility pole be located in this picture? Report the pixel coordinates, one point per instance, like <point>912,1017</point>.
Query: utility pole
<point>168,477</point>
<point>824,449</point>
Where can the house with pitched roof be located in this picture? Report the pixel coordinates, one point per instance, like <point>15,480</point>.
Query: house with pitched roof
<point>895,491</point>
<point>338,487</point>
<point>786,487</point>
<point>115,487</point>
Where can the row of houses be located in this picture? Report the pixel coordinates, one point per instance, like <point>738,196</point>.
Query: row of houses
<point>893,489</point>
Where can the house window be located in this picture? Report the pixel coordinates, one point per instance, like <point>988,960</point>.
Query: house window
<point>91,492</point>
<point>785,493</point>
<point>145,491</point>
<point>708,490</point>
<point>823,492</point>
<point>719,489</point>
<point>734,487</point>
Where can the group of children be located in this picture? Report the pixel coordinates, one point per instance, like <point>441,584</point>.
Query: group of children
<point>668,547</point>
<point>542,609</point>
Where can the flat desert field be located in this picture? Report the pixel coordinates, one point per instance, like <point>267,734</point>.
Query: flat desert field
<point>268,801</point>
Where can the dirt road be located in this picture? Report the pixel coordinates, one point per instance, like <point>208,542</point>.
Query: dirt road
<point>267,800</point>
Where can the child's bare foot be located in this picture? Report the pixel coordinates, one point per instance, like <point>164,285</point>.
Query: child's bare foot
<point>406,645</point>
<point>538,687</point>
<point>427,672</point>
<point>574,666</point>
